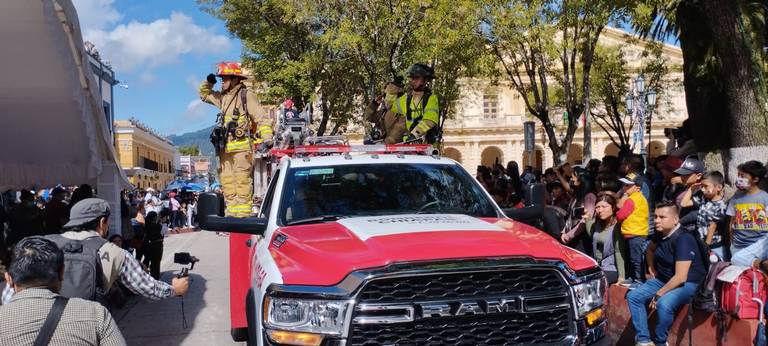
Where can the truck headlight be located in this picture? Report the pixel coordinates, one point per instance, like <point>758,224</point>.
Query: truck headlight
<point>306,315</point>
<point>589,295</point>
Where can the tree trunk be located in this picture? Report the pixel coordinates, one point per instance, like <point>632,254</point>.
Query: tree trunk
<point>326,114</point>
<point>743,82</point>
<point>587,154</point>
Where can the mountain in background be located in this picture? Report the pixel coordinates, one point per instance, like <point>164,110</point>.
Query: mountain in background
<point>200,138</point>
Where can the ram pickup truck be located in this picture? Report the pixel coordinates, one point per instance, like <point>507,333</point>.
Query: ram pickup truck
<point>393,248</point>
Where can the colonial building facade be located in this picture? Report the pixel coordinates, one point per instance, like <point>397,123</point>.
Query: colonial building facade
<point>489,120</point>
<point>147,158</point>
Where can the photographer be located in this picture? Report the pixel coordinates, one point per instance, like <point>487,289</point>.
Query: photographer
<point>36,274</point>
<point>87,227</point>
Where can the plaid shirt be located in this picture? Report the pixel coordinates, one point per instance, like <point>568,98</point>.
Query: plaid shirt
<point>82,322</point>
<point>709,211</point>
<point>133,277</point>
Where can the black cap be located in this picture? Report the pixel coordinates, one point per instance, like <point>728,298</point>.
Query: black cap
<point>632,179</point>
<point>691,165</point>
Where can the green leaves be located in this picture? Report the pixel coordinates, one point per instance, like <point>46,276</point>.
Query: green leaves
<point>344,51</point>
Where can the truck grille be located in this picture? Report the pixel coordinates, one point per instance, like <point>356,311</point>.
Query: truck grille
<point>546,327</point>
<point>538,309</point>
<point>462,285</point>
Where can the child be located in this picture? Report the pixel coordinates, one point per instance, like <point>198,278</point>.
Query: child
<point>707,197</point>
<point>633,215</point>
<point>749,223</point>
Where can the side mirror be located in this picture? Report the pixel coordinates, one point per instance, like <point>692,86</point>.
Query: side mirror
<point>535,202</point>
<point>210,217</point>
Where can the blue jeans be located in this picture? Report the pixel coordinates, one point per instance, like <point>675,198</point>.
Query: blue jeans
<point>745,256</point>
<point>636,247</point>
<point>639,298</point>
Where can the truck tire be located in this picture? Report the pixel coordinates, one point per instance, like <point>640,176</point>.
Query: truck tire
<point>239,334</point>
<point>251,331</point>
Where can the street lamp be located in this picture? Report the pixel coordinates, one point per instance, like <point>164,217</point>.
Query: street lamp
<point>640,105</point>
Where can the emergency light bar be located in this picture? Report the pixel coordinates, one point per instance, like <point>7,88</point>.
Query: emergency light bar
<point>304,150</point>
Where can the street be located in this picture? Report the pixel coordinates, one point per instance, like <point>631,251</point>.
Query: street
<point>145,322</point>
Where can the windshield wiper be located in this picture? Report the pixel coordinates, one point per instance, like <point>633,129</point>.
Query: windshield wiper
<point>317,219</point>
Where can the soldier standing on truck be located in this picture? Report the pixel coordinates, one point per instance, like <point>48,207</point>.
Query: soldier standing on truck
<point>420,107</point>
<point>241,124</point>
<point>387,125</point>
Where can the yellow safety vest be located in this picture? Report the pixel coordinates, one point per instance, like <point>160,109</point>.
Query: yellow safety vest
<point>416,113</point>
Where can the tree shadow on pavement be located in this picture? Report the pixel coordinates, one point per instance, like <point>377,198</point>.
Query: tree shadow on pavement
<point>146,322</point>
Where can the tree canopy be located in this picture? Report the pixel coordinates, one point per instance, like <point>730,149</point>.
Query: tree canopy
<point>189,150</point>
<point>340,53</point>
<point>545,48</point>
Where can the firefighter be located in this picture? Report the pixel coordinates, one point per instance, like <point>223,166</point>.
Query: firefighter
<point>420,107</point>
<point>242,124</point>
<point>386,125</point>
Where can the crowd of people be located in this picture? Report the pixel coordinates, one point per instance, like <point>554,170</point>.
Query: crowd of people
<point>75,274</point>
<point>654,228</point>
<point>45,211</point>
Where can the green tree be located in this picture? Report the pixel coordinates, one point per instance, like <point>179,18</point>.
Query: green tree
<point>546,46</point>
<point>189,150</point>
<point>611,79</point>
<point>724,73</point>
<point>340,53</point>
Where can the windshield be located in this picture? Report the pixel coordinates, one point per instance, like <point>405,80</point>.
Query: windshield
<point>330,192</point>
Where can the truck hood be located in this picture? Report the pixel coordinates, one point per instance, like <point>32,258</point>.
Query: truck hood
<point>323,254</point>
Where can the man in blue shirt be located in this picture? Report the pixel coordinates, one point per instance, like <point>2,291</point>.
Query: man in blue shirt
<point>676,268</point>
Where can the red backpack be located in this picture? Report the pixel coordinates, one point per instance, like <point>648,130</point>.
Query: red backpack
<point>736,297</point>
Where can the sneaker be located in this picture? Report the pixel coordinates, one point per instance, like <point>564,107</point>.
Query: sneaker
<point>644,343</point>
<point>626,282</point>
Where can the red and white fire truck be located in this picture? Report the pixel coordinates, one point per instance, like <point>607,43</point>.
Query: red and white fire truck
<point>394,245</point>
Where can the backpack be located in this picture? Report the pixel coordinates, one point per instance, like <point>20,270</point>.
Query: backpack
<point>737,296</point>
<point>706,297</point>
<point>82,267</point>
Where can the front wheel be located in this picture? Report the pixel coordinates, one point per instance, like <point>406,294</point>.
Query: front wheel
<point>250,312</point>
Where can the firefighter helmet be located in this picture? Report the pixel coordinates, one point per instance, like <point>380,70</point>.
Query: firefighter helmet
<point>229,69</point>
<point>420,69</point>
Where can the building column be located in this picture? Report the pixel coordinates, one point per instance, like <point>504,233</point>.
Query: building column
<point>476,158</point>
<point>509,153</point>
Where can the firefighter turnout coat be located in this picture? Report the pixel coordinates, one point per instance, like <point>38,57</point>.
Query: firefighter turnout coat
<point>236,163</point>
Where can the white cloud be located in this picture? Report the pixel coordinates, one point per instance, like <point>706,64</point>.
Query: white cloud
<point>196,110</point>
<point>139,45</point>
<point>193,81</point>
<point>147,78</point>
<point>96,14</point>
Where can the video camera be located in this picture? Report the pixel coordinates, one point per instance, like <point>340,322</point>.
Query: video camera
<point>184,258</point>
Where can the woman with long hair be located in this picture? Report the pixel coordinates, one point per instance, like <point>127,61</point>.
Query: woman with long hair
<point>606,236</point>
<point>580,208</point>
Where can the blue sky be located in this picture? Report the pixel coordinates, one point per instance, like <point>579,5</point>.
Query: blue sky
<point>161,50</point>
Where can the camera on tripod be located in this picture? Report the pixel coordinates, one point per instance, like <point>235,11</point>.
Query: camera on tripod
<point>184,258</point>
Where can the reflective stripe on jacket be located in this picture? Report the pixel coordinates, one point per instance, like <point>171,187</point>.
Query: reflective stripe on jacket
<point>423,116</point>
<point>260,125</point>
